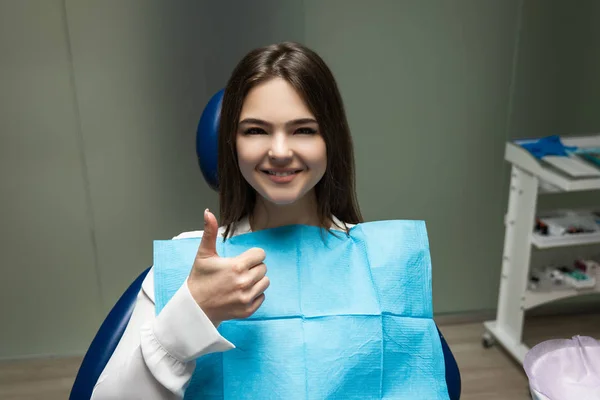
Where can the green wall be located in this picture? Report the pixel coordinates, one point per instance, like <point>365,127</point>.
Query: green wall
<point>49,294</point>
<point>103,97</point>
<point>426,84</point>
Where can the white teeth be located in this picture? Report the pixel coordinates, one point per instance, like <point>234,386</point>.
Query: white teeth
<point>281,173</point>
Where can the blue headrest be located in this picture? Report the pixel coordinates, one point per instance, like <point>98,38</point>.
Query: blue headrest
<point>207,137</point>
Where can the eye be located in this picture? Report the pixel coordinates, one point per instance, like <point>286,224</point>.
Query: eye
<point>255,131</point>
<point>305,131</point>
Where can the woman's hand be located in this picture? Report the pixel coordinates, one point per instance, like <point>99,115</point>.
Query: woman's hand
<point>226,288</point>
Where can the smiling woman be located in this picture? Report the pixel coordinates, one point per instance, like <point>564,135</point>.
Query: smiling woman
<point>284,135</point>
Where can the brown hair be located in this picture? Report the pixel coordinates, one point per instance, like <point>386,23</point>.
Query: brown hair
<point>314,82</point>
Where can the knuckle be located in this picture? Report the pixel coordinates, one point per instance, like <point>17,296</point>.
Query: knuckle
<point>206,265</point>
<point>245,298</point>
<point>241,283</point>
<point>237,267</point>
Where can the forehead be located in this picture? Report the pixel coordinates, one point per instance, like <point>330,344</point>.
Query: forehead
<point>276,101</point>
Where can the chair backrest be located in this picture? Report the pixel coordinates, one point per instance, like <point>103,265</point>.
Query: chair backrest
<point>113,327</point>
<point>207,139</point>
<point>453,379</point>
<point>105,342</point>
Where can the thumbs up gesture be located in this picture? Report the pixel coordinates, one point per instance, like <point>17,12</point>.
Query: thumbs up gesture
<point>226,288</point>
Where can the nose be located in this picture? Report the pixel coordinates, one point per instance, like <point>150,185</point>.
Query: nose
<point>280,148</point>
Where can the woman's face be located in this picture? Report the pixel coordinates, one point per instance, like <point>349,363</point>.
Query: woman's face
<point>281,152</point>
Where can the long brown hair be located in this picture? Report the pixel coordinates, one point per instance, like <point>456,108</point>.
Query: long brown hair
<point>314,82</point>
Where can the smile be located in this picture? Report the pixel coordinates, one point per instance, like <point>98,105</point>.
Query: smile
<point>282,176</point>
<point>282,173</point>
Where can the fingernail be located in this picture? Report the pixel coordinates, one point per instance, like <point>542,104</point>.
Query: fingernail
<point>205,215</point>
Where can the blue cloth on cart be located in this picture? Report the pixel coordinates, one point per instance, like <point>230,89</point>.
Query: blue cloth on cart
<point>546,146</point>
<point>345,317</point>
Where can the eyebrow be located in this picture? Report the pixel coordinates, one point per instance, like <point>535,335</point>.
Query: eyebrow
<point>295,122</point>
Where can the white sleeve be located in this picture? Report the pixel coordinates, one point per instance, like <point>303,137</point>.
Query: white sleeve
<point>155,358</point>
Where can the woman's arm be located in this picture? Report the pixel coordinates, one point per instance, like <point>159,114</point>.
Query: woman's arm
<point>155,358</point>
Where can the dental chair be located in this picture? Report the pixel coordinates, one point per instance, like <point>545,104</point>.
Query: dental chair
<point>105,342</point>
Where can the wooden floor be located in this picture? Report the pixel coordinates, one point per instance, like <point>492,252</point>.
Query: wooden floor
<point>489,374</point>
<point>492,374</point>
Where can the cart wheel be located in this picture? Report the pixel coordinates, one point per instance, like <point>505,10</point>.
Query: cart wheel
<point>487,340</point>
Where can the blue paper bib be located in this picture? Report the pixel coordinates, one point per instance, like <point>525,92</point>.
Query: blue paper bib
<point>345,316</point>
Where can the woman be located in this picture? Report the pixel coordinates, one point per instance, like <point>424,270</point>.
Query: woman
<point>285,158</point>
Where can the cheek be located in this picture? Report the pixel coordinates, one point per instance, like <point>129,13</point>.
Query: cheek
<point>315,155</point>
<point>247,154</point>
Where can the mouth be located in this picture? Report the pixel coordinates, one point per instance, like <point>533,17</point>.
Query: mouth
<point>281,173</point>
<point>281,176</point>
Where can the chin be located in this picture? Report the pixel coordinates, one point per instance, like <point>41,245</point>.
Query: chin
<point>281,199</point>
<point>280,195</point>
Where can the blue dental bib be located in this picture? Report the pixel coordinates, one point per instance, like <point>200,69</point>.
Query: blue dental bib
<point>345,317</point>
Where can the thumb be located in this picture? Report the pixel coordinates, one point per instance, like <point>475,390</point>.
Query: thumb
<point>208,243</point>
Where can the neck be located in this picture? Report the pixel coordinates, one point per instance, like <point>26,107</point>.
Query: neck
<point>268,215</point>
